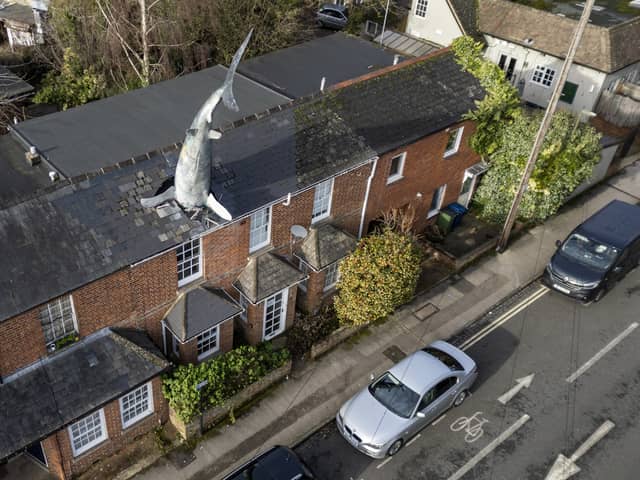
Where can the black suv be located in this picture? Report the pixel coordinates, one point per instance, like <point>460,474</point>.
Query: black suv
<point>278,463</point>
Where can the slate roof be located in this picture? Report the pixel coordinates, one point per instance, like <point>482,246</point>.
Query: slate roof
<point>601,48</point>
<point>466,12</point>
<point>324,245</point>
<point>64,387</point>
<point>18,178</point>
<point>114,129</point>
<point>409,102</point>
<point>282,153</point>
<point>17,13</point>
<point>198,310</point>
<point>297,71</point>
<point>81,230</point>
<point>11,85</point>
<point>265,275</point>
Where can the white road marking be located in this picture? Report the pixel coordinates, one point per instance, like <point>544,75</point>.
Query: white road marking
<point>564,467</point>
<point>489,448</point>
<point>439,419</point>
<point>572,378</point>
<point>504,318</point>
<point>472,426</point>
<point>413,439</point>
<point>524,382</point>
<point>383,463</point>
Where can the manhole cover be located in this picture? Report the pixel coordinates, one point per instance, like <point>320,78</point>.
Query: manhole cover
<point>394,353</point>
<point>180,457</point>
<point>426,311</point>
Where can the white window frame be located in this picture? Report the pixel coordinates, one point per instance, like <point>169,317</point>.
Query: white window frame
<point>57,304</point>
<point>542,75</point>
<point>333,270</point>
<point>304,268</point>
<point>205,353</point>
<point>421,8</point>
<point>394,177</point>
<point>189,247</point>
<point>143,413</point>
<point>322,196</point>
<point>104,435</point>
<point>283,314</point>
<point>456,144</point>
<point>252,228</point>
<point>435,211</point>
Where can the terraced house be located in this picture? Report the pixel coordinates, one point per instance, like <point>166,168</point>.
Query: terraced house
<point>100,293</point>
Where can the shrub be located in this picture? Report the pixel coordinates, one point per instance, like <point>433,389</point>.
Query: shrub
<point>379,276</point>
<point>225,375</point>
<point>310,328</point>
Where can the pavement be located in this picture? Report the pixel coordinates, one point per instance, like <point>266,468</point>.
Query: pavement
<point>315,391</point>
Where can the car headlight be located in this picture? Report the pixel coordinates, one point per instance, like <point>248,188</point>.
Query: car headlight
<point>373,446</point>
<point>590,284</point>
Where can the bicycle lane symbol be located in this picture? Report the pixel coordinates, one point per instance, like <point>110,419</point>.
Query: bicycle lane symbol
<point>471,425</point>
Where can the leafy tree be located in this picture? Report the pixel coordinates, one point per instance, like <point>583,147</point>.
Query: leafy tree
<point>569,153</point>
<point>379,276</point>
<point>73,86</point>
<point>499,107</point>
<point>133,43</point>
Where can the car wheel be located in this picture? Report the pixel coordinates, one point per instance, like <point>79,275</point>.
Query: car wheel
<point>395,447</point>
<point>462,396</point>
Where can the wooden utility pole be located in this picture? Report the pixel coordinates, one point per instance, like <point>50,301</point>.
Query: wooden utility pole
<point>544,126</point>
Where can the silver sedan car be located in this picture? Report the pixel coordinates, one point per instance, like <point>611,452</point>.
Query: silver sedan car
<point>382,417</point>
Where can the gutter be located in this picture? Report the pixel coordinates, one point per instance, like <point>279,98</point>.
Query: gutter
<point>365,204</point>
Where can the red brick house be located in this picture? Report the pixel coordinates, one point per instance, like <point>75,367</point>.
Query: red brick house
<point>86,267</point>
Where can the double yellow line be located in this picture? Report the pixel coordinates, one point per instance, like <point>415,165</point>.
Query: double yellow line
<point>505,317</point>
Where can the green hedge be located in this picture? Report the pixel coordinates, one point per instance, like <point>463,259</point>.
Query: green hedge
<point>226,375</point>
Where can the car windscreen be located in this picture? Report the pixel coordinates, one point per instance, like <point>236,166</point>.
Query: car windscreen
<point>588,252</point>
<point>394,395</point>
<point>445,358</point>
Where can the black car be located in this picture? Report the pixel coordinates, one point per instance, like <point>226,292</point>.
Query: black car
<point>597,254</point>
<point>278,463</point>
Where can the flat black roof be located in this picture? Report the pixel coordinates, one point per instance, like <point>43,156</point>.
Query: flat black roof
<point>616,224</point>
<point>297,71</point>
<point>102,133</point>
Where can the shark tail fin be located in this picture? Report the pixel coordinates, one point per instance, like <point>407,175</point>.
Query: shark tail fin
<point>227,88</point>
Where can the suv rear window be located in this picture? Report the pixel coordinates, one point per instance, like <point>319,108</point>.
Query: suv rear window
<point>444,357</point>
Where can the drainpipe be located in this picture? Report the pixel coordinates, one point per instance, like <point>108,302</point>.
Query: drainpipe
<point>366,196</point>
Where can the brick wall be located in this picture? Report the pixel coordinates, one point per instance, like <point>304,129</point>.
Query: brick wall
<point>425,169</point>
<point>189,350</point>
<point>22,342</point>
<point>311,300</point>
<point>58,446</point>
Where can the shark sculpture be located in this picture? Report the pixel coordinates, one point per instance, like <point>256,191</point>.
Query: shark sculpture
<point>192,185</point>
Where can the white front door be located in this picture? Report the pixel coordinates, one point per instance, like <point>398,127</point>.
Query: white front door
<point>275,313</point>
<point>468,184</point>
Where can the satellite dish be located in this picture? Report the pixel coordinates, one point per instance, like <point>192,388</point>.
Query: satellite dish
<point>298,231</point>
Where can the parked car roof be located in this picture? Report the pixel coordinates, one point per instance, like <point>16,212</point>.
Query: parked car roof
<point>418,369</point>
<point>277,463</point>
<point>616,224</point>
<point>335,6</point>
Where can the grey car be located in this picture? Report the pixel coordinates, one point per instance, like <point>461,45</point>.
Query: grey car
<point>413,393</point>
<point>331,15</point>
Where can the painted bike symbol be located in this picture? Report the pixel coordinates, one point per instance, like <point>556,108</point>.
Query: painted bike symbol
<point>471,425</point>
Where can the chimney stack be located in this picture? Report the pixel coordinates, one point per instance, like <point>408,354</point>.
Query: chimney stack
<point>32,156</point>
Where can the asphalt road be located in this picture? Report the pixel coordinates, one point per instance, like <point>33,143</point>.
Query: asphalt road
<point>564,408</point>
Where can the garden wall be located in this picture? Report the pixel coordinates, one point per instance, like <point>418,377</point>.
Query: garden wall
<point>208,418</point>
